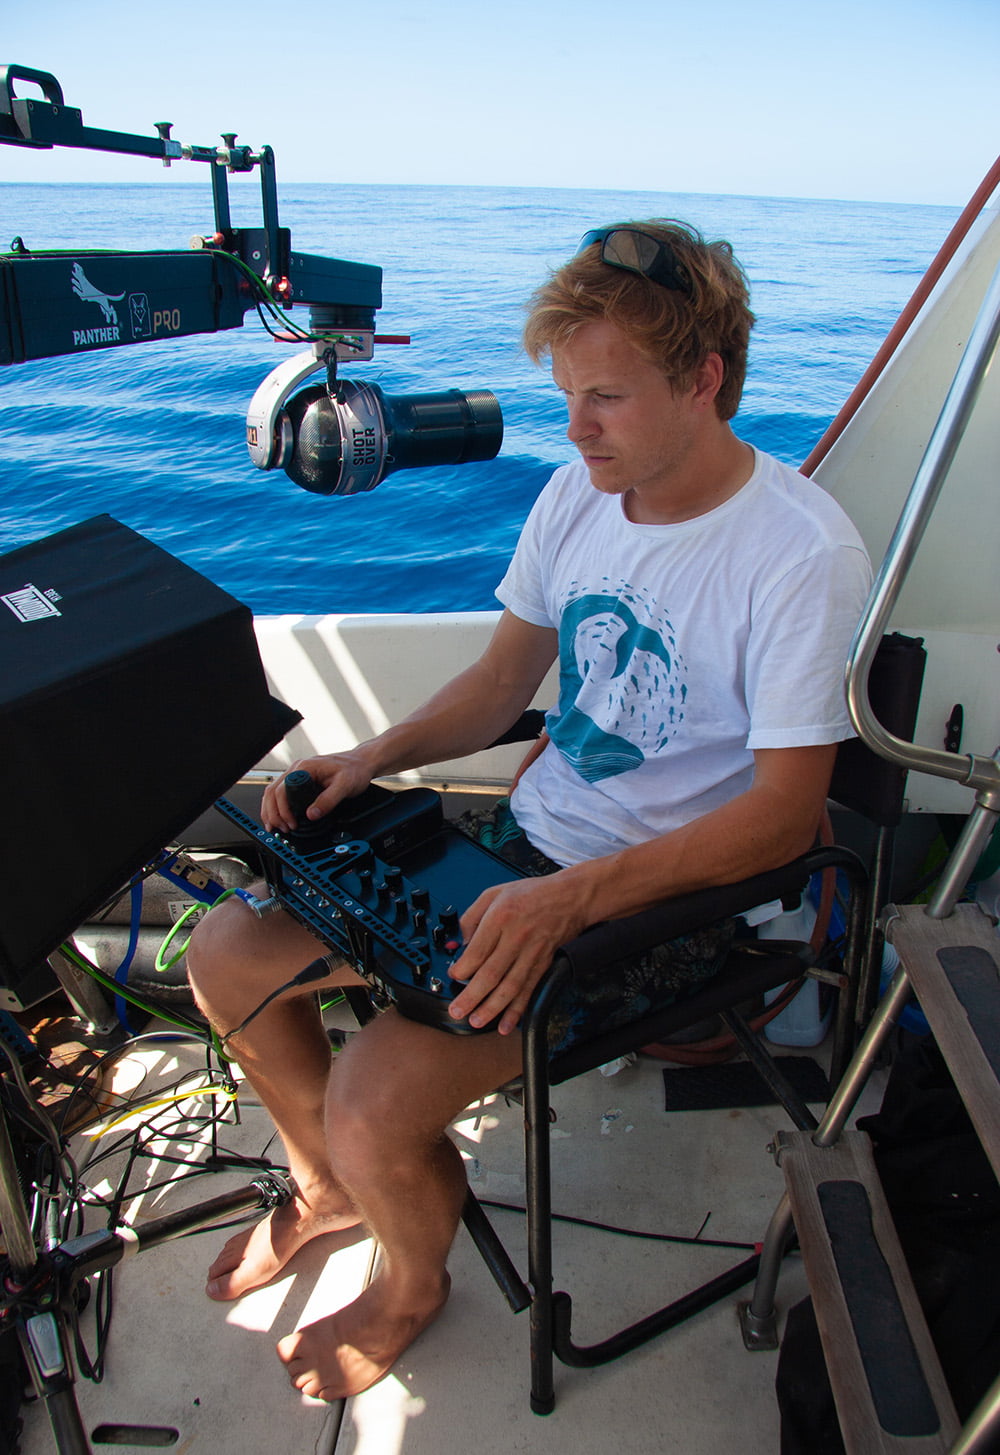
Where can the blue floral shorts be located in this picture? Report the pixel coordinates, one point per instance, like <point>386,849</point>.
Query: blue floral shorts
<point>626,990</point>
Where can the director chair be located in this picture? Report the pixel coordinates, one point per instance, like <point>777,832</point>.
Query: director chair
<point>863,783</point>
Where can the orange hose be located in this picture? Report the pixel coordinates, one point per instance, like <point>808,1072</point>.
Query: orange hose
<point>899,329</point>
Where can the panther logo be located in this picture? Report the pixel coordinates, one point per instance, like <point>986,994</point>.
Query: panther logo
<point>85,290</point>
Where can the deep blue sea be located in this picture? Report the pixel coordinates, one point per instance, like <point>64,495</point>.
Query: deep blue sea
<point>154,433</point>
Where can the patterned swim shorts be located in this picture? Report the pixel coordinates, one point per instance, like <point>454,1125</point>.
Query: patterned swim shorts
<point>626,990</point>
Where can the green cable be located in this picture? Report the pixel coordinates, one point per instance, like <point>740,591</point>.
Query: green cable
<point>82,963</point>
<point>305,335</point>
<point>168,939</point>
<point>207,1034</point>
<point>159,965</point>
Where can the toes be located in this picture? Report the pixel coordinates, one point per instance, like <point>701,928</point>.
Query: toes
<point>229,1257</point>
<point>305,1379</point>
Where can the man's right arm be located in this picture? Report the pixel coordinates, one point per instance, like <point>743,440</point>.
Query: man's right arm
<point>466,715</point>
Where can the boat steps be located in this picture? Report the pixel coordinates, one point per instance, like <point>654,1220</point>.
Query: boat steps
<point>952,965</point>
<point>890,1392</point>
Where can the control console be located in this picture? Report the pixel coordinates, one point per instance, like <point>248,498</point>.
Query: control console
<point>383,880</point>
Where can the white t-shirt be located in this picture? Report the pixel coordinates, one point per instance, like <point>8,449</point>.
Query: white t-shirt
<point>682,648</point>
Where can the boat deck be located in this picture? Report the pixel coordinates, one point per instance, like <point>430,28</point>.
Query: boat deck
<point>207,1372</point>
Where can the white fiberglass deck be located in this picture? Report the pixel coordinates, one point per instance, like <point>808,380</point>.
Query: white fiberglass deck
<point>208,1371</point>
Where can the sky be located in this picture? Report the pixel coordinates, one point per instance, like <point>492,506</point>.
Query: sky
<point>882,100</point>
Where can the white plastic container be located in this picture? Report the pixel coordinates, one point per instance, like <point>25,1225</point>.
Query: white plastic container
<point>800,1023</point>
<point>911,1017</point>
<point>988,895</point>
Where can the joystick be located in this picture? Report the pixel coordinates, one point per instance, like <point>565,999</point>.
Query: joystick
<point>301,789</point>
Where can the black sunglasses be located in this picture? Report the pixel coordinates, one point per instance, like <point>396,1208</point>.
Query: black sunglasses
<point>639,252</point>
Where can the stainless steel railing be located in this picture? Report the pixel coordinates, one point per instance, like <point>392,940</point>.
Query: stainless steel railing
<point>980,773</point>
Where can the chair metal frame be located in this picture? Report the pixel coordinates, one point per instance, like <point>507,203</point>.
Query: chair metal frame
<point>862,782</point>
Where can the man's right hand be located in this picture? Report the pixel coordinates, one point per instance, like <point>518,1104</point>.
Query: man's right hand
<point>339,775</point>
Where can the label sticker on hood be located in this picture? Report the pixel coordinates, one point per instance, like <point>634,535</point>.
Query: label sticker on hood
<point>28,603</point>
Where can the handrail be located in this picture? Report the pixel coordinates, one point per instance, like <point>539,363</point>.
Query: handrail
<point>980,773</point>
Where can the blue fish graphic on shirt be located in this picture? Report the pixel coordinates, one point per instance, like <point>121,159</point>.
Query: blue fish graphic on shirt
<point>622,689</point>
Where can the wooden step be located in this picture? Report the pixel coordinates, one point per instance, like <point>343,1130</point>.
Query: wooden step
<point>887,1383</point>
<point>954,969</point>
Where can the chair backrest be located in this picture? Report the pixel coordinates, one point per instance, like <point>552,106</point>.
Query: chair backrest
<point>862,781</point>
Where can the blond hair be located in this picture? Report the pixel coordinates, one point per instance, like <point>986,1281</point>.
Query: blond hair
<point>676,332</point>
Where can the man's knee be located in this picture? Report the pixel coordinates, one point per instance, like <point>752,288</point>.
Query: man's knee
<point>402,1082</point>
<point>234,956</point>
<point>379,1088</point>
<point>217,947</point>
<point>371,1136</point>
<point>232,946</point>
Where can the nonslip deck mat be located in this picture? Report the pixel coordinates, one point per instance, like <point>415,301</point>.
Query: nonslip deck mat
<point>737,1083</point>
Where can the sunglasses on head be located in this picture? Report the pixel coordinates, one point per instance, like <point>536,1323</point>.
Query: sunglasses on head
<point>640,252</point>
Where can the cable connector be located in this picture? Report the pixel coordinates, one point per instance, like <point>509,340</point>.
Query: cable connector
<point>261,907</point>
<point>317,969</point>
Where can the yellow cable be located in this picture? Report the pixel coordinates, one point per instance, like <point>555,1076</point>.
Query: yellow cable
<point>161,1101</point>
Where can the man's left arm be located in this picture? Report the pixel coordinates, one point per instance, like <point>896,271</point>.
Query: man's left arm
<point>512,931</point>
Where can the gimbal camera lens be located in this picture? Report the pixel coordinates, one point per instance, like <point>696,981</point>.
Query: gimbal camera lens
<point>347,442</point>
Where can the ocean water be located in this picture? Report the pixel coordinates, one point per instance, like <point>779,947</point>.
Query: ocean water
<point>154,434</point>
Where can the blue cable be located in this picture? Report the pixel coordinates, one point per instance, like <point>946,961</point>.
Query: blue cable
<point>121,974</point>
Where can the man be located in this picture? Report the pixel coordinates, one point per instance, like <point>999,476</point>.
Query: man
<point>700,598</point>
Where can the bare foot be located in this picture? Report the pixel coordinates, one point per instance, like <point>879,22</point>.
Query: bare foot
<point>256,1255</point>
<point>351,1350</point>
